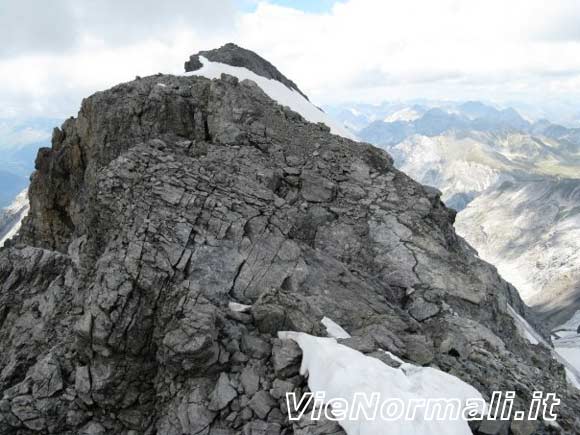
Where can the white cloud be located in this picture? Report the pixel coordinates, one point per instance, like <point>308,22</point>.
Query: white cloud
<point>367,50</point>
<point>32,26</point>
<point>374,49</point>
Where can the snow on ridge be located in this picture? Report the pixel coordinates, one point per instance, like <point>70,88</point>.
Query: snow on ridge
<point>524,328</point>
<point>339,372</point>
<point>566,339</point>
<point>19,202</point>
<point>566,349</point>
<point>239,308</point>
<point>275,90</point>
<point>571,325</point>
<point>11,217</point>
<point>406,114</point>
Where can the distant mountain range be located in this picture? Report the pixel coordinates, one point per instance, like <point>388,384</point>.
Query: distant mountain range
<point>465,117</point>
<point>20,140</point>
<point>514,182</point>
<point>11,217</point>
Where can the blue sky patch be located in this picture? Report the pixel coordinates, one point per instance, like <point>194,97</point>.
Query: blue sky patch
<point>311,6</point>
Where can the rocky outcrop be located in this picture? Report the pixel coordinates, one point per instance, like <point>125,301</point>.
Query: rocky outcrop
<point>167,199</point>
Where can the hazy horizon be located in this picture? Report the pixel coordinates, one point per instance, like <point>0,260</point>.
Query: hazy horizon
<point>517,54</point>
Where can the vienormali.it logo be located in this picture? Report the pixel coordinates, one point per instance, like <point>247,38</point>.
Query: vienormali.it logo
<point>365,406</point>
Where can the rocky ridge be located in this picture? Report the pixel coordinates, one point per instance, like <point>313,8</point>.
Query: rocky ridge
<point>168,198</point>
<point>233,55</point>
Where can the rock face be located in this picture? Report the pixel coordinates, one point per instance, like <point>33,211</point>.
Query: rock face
<point>159,205</point>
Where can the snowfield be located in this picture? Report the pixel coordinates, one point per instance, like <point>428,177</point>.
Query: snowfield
<point>566,339</point>
<point>11,217</point>
<point>566,344</point>
<point>406,114</point>
<point>275,90</point>
<point>340,372</point>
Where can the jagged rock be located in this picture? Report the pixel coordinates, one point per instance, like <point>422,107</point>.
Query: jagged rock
<point>362,344</point>
<point>316,188</point>
<point>261,428</point>
<point>455,344</point>
<point>157,206</point>
<point>276,416</point>
<point>255,346</point>
<point>24,408</point>
<point>250,380</point>
<point>222,431</point>
<point>422,310</point>
<point>262,403</point>
<point>309,426</point>
<point>419,349</point>
<point>494,427</point>
<point>384,338</point>
<point>286,357</point>
<point>222,394</point>
<point>523,427</point>
<point>93,428</point>
<point>280,388</point>
<point>46,377</point>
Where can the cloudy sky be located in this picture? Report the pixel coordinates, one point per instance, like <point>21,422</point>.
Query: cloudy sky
<point>55,52</point>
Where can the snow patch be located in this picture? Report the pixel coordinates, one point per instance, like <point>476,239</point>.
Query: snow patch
<point>566,339</point>
<point>571,379</point>
<point>275,90</point>
<point>570,327</point>
<point>339,372</point>
<point>239,308</point>
<point>333,329</point>
<point>524,328</point>
<point>406,114</point>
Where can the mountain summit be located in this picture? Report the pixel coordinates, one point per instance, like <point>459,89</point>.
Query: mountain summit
<point>233,55</point>
<point>180,225</point>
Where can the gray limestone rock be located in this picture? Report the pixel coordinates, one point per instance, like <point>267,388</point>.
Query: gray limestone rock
<point>494,427</point>
<point>419,349</point>
<point>422,310</point>
<point>222,394</point>
<point>286,357</point>
<point>157,206</point>
<point>250,380</point>
<point>262,403</point>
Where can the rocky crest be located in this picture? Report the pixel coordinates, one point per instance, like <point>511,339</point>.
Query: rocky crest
<point>168,198</point>
<point>233,55</point>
